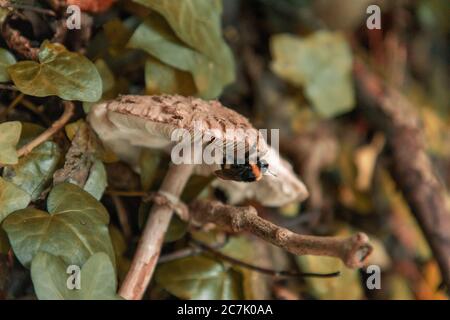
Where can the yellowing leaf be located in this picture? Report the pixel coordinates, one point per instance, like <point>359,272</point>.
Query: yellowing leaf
<point>199,278</point>
<point>6,59</point>
<point>74,229</point>
<point>161,78</point>
<point>322,64</point>
<point>97,278</point>
<point>69,75</point>
<point>9,137</point>
<point>347,286</point>
<point>12,198</point>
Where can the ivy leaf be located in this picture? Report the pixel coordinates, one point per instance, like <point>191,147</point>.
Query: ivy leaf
<point>6,59</point>
<point>34,171</point>
<point>97,180</point>
<point>189,39</point>
<point>197,23</point>
<point>345,287</point>
<point>97,278</point>
<point>69,75</point>
<point>108,82</point>
<point>320,63</point>
<point>199,278</point>
<point>8,140</point>
<point>74,229</point>
<point>12,198</point>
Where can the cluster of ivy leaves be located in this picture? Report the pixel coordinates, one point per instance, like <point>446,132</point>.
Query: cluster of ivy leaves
<point>50,207</point>
<point>184,53</point>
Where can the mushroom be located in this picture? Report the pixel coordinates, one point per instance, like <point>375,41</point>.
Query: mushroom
<point>130,123</point>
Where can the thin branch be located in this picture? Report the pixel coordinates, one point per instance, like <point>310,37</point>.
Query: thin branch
<point>189,252</point>
<point>36,110</point>
<point>353,251</point>
<point>123,216</point>
<point>411,168</point>
<point>8,87</point>
<point>12,105</point>
<point>149,248</point>
<point>126,193</point>
<point>270,272</point>
<point>47,134</point>
<point>18,42</point>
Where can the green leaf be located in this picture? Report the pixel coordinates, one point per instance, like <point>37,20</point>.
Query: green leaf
<point>74,229</point>
<point>189,40</point>
<point>108,82</point>
<point>322,64</point>
<point>97,278</point>
<point>149,163</point>
<point>6,59</point>
<point>12,198</point>
<point>97,180</point>
<point>34,171</point>
<point>196,22</point>
<point>347,286</point>
<point>69,75</point>
<point>199,278</point>
<point>10,135</point>
<point>177,229</point>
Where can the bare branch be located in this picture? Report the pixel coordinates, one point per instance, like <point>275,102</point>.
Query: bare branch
<point>353,251</point>
<point>412,169</point>
<point>270,272</point>
<point>149,248</point>
<point>47,134</point>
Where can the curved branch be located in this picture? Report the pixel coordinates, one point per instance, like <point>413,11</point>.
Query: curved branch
<point>353,251</point>
<point>412,168</point>
<point>47,134</point>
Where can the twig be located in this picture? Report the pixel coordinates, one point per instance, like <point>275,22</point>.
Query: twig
<point>8,87</point>
<point>47,134</point>
<point>411,167</point>
<point>126,193</point>
<point>123,216</point>
<point>12,105</point>
<point>36,110</point>
<point>189,252</point>
<point>270,272</point>
<point>18,42</point>
<point>44,11</point>
<point>149,248</point>
<point>353,251</point>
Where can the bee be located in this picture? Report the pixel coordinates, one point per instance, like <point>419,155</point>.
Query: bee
<point>247,172</point>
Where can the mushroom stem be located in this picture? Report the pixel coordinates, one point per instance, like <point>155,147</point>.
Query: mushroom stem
<point>353,251</point>
<point>149,247</point>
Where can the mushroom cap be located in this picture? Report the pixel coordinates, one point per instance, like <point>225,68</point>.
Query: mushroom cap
<point>130,123</point>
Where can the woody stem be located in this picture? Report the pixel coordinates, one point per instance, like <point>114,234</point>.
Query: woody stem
<point>149,247</point>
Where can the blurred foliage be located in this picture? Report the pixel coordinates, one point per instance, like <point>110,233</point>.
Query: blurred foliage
<point>283,64</point>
